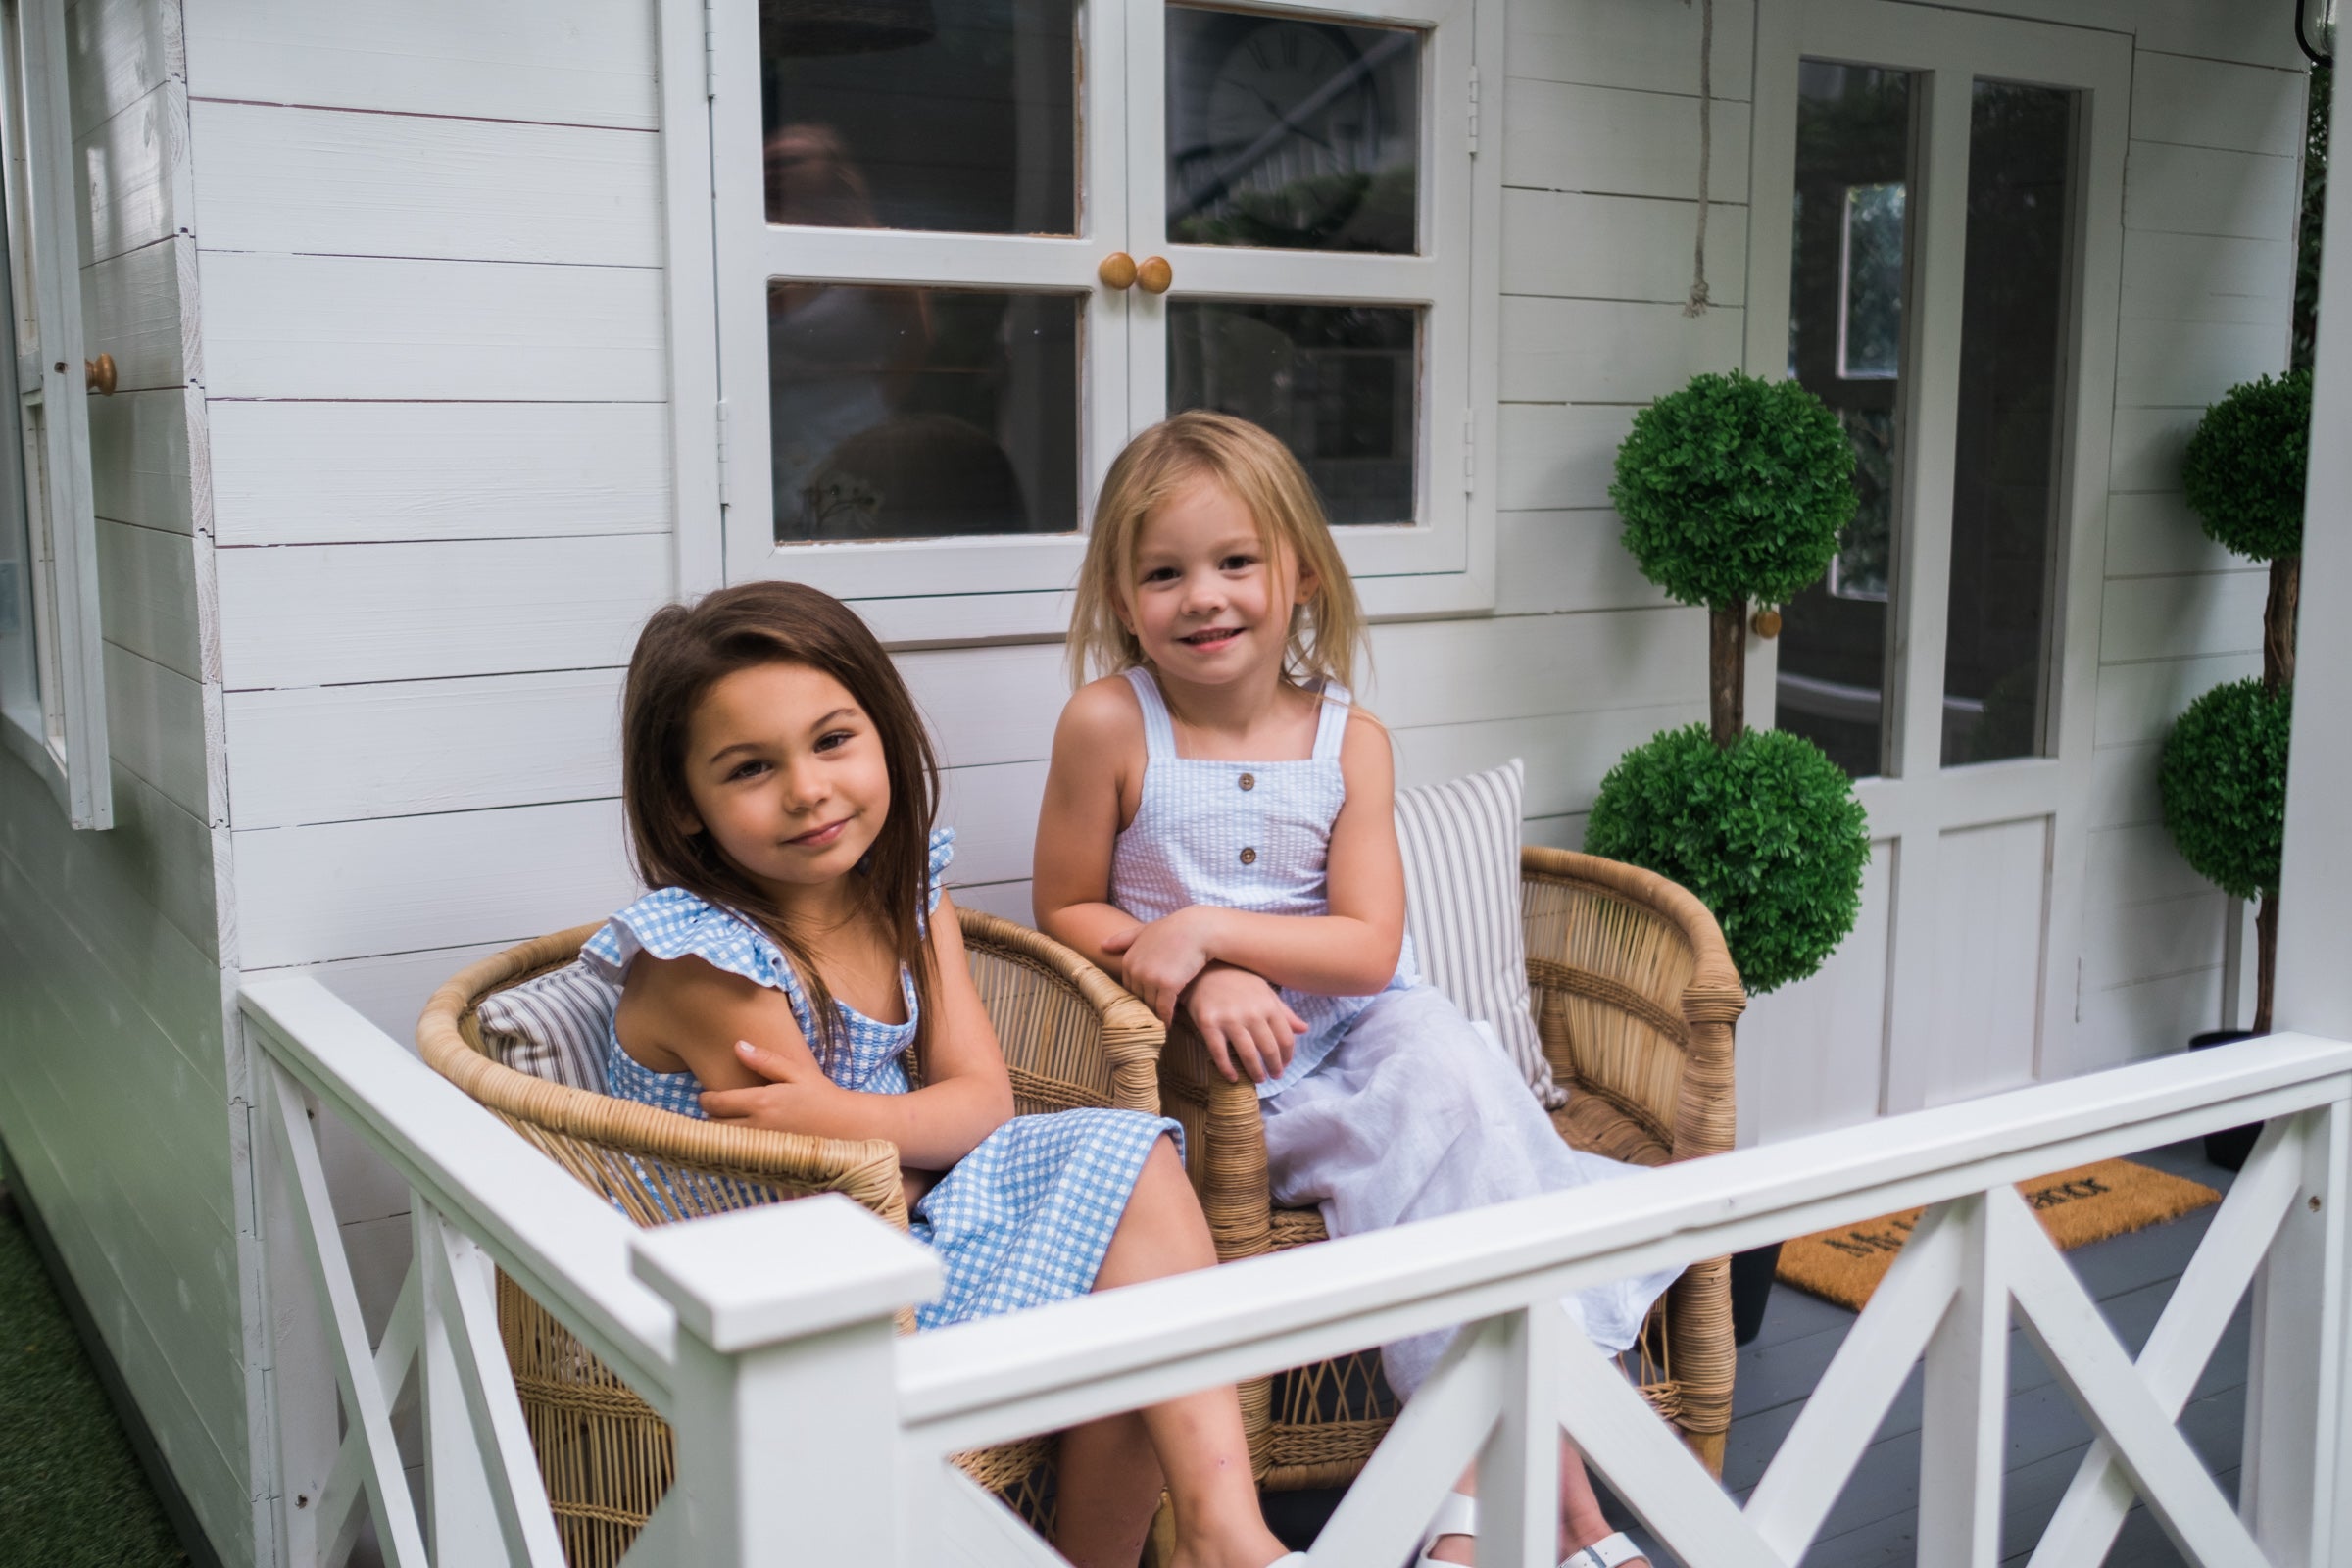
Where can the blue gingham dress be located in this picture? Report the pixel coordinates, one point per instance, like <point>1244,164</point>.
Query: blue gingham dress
<point>1022,1220</point>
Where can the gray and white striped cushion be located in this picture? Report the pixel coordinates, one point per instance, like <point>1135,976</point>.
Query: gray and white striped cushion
<point>1461,903</point>
<point>553,1027</point>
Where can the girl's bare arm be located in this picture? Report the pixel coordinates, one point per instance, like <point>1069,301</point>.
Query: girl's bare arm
<point>1077,826</point>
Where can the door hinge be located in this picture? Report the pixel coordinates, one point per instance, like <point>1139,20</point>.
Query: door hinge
<point>709,49</point>
<point>1474,111</point>
<point>722,452</point>
<point>1469,450</point>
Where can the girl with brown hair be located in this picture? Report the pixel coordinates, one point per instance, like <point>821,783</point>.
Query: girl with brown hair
<point>780,790</point>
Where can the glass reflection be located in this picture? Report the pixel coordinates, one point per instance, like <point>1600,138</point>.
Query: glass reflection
<point>902,413</point>
<point>1336,382</point>
<point>2005,517</point>
<point>1849,287</point>
<point>1292,133</point>
<point>951,114</point>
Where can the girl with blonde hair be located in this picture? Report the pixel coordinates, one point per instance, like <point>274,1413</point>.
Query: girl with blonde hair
<point>1224,840</point>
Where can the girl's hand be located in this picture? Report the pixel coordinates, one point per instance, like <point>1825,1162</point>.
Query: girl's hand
<point>1159,961</point>
<point>1241,1017</point>
<point>792,1095</point>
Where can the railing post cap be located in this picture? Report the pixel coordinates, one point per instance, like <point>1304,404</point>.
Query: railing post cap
<point>759,1276</point>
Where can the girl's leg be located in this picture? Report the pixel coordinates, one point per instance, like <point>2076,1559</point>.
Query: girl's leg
<point>1198,1438</point>
<point>1108,1487</point>
<point>1582,1521</point>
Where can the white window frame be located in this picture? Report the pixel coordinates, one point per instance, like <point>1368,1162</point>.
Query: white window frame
<point>1018,586</point>
<point>53,707</point>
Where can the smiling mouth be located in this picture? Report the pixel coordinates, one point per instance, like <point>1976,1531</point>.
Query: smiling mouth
<point>818,838</point>
<point>1211,637</point>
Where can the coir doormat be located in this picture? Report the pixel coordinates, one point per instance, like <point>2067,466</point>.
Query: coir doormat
<point>2088,1203</point>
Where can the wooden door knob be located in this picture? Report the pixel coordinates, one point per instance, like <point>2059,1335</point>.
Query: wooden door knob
<point>1767,623</point>
<point>1117,270</point>
<point>98,374</point>
<point>1154,274</point>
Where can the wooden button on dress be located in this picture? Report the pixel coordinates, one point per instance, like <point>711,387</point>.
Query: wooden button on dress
<point>1248,857</point>
<point>1248,781</point>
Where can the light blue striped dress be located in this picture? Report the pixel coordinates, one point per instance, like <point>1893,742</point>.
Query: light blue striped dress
<point>1022,1220</point>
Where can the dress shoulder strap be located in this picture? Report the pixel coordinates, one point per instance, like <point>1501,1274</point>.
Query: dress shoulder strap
<point>1160,730</point>
<point>1332,728</point>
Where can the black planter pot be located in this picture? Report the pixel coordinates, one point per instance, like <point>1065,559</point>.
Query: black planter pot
<point>1752,1290</point>
<point>2230,1146</point>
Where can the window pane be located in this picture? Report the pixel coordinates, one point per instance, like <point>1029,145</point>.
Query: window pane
<point>1334,381</point>
<point>907,412</point>
<point>2005,495</point>
<point>956,114</point>
<point>1289,132</point>
<point>1849,286</point>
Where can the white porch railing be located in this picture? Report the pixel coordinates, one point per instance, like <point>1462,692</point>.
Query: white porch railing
<point>808,1432</point>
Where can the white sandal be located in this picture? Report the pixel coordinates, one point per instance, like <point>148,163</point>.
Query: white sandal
<point>1457,1515</point>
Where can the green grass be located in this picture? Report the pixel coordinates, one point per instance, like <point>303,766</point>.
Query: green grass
<point>71,1494</point>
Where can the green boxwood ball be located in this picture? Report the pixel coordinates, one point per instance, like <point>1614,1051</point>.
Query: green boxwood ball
<point>2224,780</point>
<point>1768,834</point>
<point>1735,488</point>
<point>2243,469</point>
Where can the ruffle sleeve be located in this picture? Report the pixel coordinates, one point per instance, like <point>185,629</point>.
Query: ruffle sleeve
<point>674,924</point>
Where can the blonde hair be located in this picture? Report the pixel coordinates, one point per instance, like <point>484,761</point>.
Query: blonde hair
<point>1326,633</point>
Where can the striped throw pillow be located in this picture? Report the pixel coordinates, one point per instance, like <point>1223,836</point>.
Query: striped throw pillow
<point>1461,906</point>
<point>555,1026</point>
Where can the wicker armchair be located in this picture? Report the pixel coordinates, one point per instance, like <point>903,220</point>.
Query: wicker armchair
<point>1634,997</point>
<point>1070,1036</point>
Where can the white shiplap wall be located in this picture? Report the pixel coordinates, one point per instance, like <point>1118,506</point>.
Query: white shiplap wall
<point>118,1078</point>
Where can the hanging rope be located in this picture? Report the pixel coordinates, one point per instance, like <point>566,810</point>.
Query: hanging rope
<point>1697,303</point>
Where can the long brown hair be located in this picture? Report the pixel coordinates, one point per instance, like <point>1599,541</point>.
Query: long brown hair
<point>681,654</point>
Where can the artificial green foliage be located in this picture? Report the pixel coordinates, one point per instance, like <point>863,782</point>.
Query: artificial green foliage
<point>1768,835</point>
<point>2224,780</point>
<point>2243,469</point>
<point>1735,488</point>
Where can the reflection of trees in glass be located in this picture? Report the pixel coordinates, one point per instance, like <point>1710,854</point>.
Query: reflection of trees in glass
<point>1355,212</point>
<point>1866,549</point>
<point>1872,344</point>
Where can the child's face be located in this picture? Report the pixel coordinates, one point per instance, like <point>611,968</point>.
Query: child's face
<point>787,773</point>
<point>1209,602</point>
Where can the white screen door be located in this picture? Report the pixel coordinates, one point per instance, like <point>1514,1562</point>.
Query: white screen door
<point>1947,231</point>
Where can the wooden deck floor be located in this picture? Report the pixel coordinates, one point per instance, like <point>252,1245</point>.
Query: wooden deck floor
<point>1872,1525</point>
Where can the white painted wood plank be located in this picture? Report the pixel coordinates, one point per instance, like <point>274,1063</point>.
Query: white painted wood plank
<point>139,471</point>
<point>390,990</point>
<point>1599,351</point>
<point>2191,363</point>
<point>1991,893</point>
<point>117,53</point>
<point>1613,142</point>
<point>1008,899</point>
<point>1825,1036</point>
<point>278,179</point>
<point>1522,667</point>
<point>322,615</point>
<point>155,727</point>
<point>1632,43</point>
<point>2134,1023</point>
<point>338,752</point>
<point>147,592</point>
<point>1560,832</point>
<point>2123,785</point>
<point>2206,277</point>
<point>591,64</point>
<point>1563,561</point>
<point>130,308</point>
<point>2136,864</point>
<point>2127,943</point>
<point>994,812</point>
<point>343,326</point>
<point>2211,103</point>
<point>2155,533</point>
<point>2169,617</point>
<point>2149,444</point>
<point>2140,701</point>
<point>988,705</point>
<point>130,171</point>
<point>351,473</point>
<point>1571,245</point>
<point>1566,755</point>
<point>2199,190</point>
<point>1559,454</point>
<point>355,889</point>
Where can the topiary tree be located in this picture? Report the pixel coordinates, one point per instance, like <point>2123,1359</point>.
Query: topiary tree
<point>2224,782</point>
<point>2243,471</point>
<point>1734,489</point>
<point>1768,835</point>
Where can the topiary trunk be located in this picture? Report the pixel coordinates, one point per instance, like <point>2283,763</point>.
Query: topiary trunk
<point>1726,672</point>
<point>2277,672</point>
